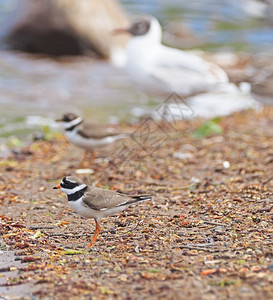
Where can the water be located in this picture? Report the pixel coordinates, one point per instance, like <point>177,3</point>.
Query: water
<point>229,24</point>
<point>31,86</point>
<point>8,260</point>
<point>41,86</point>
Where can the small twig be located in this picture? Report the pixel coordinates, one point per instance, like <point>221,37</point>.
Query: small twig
<point>68,235</point>
<point>216,228</point>
<point>137,248</point>
<point>207,249</point>
<point>266,209</point>
<point>180,187</point>
<point>215,223</point>
<point>147,182</point>
<point>6,269</point>
<point>209,244</point>
<point>267,181</point>
<point>198,248</point>
<point>133,227</point>
<point>161,215</point>
<point>204,191</point>
<point>41,227</point>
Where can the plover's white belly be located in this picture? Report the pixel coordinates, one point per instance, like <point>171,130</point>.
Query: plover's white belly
<point>88,212</point>
<point>89,143</point>
<point>82,210</point>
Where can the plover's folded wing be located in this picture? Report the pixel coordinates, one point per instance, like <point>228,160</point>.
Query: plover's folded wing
<point>102,199</point>
<point>96,131</point>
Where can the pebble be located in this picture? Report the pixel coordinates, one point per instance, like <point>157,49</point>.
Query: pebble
<point>258,252</point>
<point>270,266</point>
<point>195,180</point>
<point>264,224</point>
<point>84,171</point>
<point>182,156</point>
<point>226,164</point>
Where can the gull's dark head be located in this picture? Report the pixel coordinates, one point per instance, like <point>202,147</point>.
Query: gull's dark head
<point>140,27</point>
<point>146,27</point>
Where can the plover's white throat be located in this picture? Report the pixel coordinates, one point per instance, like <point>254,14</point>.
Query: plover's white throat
<point>93,202</point>
<point>163,69</point>
<point>86,135</point>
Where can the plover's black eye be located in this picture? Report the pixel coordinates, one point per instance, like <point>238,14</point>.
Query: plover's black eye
<point>140,27</point>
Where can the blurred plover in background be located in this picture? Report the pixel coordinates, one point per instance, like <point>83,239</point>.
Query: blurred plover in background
<point>88,136</point>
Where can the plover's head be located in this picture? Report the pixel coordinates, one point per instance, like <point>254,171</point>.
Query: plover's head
<point>70,121</point>
<point>147,26</point>
<point>71,185</point>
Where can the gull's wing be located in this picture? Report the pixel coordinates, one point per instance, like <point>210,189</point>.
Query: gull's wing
<point>172,58</point>
<point>183,72</point>
<point>101,199</point>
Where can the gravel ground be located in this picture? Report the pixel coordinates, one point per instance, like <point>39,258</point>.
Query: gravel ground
<point>207,234</point>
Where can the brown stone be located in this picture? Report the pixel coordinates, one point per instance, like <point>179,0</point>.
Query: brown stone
<point>66,27</point>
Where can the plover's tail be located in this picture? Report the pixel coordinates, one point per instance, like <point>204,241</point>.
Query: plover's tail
<point>135,199</point>
<point>123,135</point>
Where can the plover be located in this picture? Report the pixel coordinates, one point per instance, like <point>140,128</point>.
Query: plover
<point>88,136</point>
<point>94,202</point>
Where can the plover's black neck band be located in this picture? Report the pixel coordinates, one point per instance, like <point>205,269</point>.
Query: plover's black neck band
<point>77,195</point>
<point>73,126</point>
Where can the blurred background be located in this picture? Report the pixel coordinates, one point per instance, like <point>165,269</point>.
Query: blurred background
<point>34,89</point>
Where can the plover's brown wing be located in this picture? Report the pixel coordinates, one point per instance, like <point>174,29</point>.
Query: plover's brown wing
<point>96,131</point>
<point>101,199</point>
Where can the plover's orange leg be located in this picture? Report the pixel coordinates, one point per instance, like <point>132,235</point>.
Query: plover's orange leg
<point>94,154</point>
<point>97,232</point>
<point>84,158</point>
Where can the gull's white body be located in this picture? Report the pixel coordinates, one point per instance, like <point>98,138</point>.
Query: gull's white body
<point>167,70</point>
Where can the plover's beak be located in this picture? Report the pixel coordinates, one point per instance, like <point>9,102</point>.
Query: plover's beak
<point>59,120</point>
<point>120,31</point>
<point>57,187</point>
